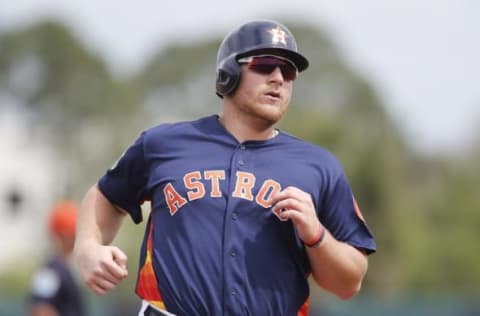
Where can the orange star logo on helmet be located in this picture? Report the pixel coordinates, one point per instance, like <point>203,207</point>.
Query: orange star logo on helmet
<point>278,36</point>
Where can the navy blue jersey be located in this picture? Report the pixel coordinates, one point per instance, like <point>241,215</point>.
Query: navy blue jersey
<point>213,246</point>
<point>55,285</point>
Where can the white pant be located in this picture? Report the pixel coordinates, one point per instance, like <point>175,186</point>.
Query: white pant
<point>144,306</point>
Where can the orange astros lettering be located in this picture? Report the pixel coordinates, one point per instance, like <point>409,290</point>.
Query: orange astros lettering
<point>244,187</point>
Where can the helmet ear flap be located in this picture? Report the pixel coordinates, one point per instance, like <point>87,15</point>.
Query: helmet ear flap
<point>228,77</point>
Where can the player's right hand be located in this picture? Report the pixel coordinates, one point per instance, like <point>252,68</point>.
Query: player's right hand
<point>101,267</point>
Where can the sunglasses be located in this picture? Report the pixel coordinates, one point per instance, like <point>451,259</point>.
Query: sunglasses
<point>265,65</point>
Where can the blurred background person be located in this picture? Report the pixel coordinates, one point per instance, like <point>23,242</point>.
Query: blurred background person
<point>54,290</point>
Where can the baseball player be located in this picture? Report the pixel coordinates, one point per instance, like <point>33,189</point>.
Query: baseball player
<point>242,213</point>
<point>54,290</point>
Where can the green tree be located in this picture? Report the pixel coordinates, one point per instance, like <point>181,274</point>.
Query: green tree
<point>68,95</point>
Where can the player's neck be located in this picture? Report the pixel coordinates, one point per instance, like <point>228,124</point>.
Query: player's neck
<point>244,130</point>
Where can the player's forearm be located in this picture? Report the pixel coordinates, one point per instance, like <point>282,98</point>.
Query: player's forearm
<point>99,220</point>
<point>338,267</point>
<point>101,265</point>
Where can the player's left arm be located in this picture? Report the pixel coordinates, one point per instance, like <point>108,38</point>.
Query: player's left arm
<point>336,266</point>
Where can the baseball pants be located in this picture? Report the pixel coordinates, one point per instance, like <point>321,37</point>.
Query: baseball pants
<point>149,310</point>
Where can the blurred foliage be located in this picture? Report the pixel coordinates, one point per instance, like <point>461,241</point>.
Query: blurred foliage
<point>69,94</point>
<point>424,211</point>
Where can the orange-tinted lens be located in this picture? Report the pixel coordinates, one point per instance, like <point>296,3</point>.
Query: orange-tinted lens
<point>266,65</point>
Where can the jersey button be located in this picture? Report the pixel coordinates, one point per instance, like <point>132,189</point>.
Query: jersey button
<point>241,162</point>
<point>242,147</point>
<point>233,254</point>
<point>234,215</point>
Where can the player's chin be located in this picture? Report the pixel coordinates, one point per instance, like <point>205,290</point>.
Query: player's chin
<point>272,117</point>
<point>275,111</point>
<point>270,112</point>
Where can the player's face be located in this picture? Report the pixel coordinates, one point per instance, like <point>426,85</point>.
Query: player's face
<point>265,89</point>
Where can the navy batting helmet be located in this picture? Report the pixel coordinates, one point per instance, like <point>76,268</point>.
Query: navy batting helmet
<point>259,37</point>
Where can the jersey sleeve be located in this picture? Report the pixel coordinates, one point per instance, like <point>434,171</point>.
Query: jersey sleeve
<point>124,184</point>
<point>341,215</point>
